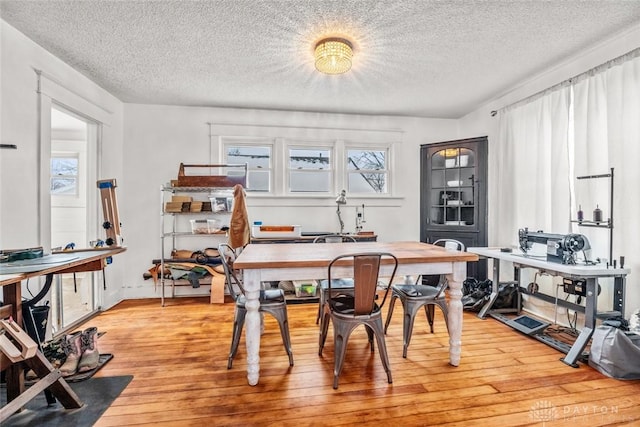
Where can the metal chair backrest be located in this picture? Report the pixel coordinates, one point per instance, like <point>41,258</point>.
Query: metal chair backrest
<point>233,282</point>
<point>334,238</point>
<point>449,244</point>
<point>366,270</point>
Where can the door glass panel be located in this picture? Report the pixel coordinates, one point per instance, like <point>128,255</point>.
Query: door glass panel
<point>453,187</point>
<point>75,293</point>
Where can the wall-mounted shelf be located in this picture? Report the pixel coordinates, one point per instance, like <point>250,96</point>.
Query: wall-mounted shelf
<point>601,224</point>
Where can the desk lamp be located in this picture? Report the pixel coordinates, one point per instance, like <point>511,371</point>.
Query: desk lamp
<point>341,200</point>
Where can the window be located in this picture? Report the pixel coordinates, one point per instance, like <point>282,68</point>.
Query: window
<point>367,171</point>
<point>64,176</point>
<point>282,167</point>
<point>310,170</point>
<point>258,160</point>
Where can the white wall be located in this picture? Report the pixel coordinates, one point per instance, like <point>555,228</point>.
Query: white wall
<point>159,138</point>
<point>19,124</point>
<point>480,122</point>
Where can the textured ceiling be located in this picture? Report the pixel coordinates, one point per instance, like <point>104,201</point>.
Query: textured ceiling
<point>412,57</point>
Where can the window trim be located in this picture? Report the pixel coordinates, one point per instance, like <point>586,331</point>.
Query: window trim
<point>279,164</point>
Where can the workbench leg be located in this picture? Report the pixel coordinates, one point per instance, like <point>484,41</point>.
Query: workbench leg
<point>495,287</point>
<point>12,294</point>
<point>590,309</point>
<point>618,294</point>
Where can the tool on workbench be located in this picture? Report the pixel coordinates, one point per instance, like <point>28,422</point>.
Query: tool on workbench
<point>110,210</point>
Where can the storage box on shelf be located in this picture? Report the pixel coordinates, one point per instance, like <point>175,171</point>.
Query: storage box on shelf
<point>305,288</point>
<point>206,226</point>
<point>272,231</point>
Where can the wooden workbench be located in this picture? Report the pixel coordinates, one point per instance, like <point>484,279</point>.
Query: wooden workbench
<point>11,276</point>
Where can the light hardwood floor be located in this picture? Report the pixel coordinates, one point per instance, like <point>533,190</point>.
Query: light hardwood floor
<point>178,357</point>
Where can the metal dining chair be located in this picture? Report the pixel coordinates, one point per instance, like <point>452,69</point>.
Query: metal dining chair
<point>414,296</point>
<point>272,301</point>
<point>338,285</point>
<point>346,312</point>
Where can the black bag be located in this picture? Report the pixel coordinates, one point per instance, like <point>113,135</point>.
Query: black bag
<point>475,293</point>
<point>507,296</point>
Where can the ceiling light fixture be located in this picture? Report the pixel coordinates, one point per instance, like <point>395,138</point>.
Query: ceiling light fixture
<point>333,55</point>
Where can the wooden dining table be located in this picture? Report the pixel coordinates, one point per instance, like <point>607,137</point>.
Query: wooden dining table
<point>276,262</point>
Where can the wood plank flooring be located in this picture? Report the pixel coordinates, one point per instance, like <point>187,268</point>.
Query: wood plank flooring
<point>178,356</point>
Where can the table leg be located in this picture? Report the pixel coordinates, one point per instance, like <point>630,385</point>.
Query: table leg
<point>252,324</point>
<point>12,294</point>
<point>455,311</point>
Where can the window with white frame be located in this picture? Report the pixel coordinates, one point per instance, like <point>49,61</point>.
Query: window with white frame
<point>281,166</point>
<point>310,169</point>
<point>367,170</point>
<point>258,158</point>
<point>64,175</point>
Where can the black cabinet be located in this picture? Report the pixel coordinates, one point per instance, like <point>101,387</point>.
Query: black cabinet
<point>453,194</point>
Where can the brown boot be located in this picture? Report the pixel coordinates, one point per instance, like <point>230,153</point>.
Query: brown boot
<point>71,344</point>
<point>90,354</point>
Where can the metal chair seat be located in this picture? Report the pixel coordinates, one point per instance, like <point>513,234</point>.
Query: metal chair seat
<point>272,301</point>
<point>338,286</point>
<point>415,296</point>
<point>345,305</point>
<point>267,296</point>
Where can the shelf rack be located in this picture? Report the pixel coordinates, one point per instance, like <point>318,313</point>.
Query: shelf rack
<point>209,186</point>
<point>169,238</point>
<point>603,224</point>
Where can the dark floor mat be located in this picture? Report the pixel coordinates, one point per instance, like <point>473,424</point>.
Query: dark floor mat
<point>96,394</point>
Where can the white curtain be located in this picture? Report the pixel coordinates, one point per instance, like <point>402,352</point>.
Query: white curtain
<point>607,135</point>
<point>582,128</point>
<point>530,165</point>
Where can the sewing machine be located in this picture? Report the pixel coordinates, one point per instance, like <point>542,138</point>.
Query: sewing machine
<point>561,248</point>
